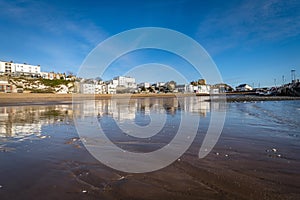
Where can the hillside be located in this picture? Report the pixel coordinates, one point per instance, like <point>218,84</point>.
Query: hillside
<point>29,85</point>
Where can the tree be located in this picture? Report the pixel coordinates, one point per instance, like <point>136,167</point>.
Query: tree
<point>98,78</point>
<point>171,85</point>
<point>151,89</point>
<point>70,74</point>
<point>194,83</point>
<point>201,82</point>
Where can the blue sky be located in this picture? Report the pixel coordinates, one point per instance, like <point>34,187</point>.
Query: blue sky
<point>252,42</point>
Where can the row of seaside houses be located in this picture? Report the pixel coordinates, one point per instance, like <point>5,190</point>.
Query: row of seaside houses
<point>120,84</point>
<point>124,84</point>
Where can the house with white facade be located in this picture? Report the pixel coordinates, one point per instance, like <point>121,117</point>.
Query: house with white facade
<point>92,87</point>
<point>6,67</point>
<point>127,82</point>
<point>5,87</point>
<point>44,75</point>
<point>121,84</point>
<point>87,88</point>
<point>159,84</point>
<point>243,88</point>
<point>11,68</point>
<point>180,88</point>
<point>27,69</point>
<point>198,89</point>
<point>111,86</point>
<point>144,84</point>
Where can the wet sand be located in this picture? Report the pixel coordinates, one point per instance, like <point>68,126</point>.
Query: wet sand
<point>229,172</point>
<point>10,99</point>
<point>253,98</point>
<point>249,162</point>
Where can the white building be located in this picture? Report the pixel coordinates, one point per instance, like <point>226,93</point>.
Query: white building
<point>180,88</point>
<point>92,88</point>
<point>17,68</point>
<point>5,87</point>
<point>244,87</point>
<point>111,86</point>
<point>6,67</point>
<point>198,89</point>
<point>121,84</point>
<point>27,69</point>
<point>159,84</point>
<point>45,75</point>
<point>144,84</point>
<point>87,88</point>
<point>127,82</point>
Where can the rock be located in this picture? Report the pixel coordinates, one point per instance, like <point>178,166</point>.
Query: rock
<point>274,150</point>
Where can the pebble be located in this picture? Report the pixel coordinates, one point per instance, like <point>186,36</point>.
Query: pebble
<point>217,154</point>
<point>273,150</point>
<point>1,186</point>
<point>178,159</point>
<point>84,191</point>
<point>226,155</point>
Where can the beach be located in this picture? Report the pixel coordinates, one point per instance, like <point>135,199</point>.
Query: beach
<point>48,98</point>
<point>256,156</point>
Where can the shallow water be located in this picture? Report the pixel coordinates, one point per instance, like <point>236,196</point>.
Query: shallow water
<point>41,154</point>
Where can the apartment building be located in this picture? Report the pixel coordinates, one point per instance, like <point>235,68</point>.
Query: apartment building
<point>11,68</point>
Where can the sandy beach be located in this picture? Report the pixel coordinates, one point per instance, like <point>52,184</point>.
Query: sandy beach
<point>39,98</point>
<point>7,99</point>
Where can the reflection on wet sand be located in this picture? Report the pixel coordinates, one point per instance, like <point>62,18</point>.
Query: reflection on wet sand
<point>22,121</point>
<point>126,109</point>
<point>257,156</point>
